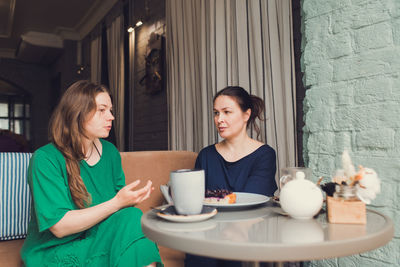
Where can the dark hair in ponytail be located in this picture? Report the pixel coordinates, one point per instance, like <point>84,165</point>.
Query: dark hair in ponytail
<point>245,101</point>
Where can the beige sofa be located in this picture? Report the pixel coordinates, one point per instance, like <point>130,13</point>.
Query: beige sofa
<point>153,165</point>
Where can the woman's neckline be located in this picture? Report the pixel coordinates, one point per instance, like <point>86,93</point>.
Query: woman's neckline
<point>232,162</point>
<point>100,154</point>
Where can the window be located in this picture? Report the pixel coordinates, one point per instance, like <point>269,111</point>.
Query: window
<point>14,110</point>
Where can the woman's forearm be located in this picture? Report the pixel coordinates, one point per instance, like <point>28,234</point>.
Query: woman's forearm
<point>76,221</point>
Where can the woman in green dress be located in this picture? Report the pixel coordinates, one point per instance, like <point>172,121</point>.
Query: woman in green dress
<point>83,214</point>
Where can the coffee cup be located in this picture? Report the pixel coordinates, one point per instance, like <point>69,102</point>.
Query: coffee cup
<point>187,190</point>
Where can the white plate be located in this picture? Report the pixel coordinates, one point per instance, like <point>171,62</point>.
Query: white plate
<point>205,214</point>
<point>242,200</point>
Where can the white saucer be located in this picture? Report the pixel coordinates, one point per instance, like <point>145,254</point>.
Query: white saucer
<point>170,214</point>
<point>279,210</point>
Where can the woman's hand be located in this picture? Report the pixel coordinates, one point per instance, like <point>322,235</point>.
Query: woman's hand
<point>75,221</point>
<point>128,196</point>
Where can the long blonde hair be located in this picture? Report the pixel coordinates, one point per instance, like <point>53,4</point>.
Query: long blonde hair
<point>66,132</point>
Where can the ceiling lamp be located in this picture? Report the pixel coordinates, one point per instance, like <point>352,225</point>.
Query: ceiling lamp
<point>138,24</point>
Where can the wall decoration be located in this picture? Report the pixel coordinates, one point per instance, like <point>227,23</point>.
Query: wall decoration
<point>155,59</point>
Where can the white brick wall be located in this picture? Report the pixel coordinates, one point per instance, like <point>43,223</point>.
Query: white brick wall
<point>351,65</point>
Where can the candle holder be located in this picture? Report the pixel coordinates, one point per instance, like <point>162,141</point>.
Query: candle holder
<point>349,192</point>
<point>345,206</point>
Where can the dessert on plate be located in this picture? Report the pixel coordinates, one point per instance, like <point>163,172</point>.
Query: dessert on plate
<point>220,196</point>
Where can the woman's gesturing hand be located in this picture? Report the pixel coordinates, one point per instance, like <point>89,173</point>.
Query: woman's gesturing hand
<point>128,196</point>
<point>75,221</point>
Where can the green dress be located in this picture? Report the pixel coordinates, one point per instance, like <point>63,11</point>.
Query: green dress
<point>116,241</point>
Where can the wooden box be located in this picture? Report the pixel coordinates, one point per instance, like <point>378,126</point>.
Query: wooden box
<point>346,211</point>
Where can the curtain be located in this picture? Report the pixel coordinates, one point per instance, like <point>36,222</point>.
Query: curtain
<point>95,60</point>
<point>115,54</point>
<point>215,43</point>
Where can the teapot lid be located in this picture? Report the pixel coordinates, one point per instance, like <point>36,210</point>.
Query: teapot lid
<point>300,175</point>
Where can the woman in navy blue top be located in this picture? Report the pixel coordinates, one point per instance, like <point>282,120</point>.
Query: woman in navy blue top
<point>254,173</point>
<point>238,163</point>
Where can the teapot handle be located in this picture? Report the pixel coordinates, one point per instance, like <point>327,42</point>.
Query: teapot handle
<point>283,180</point>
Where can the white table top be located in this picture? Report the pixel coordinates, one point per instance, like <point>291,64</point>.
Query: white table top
<point>260,234</point>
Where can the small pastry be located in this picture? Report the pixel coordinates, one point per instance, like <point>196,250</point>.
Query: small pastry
<point>220,196</point>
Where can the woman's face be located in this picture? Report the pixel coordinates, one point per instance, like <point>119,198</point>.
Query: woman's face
<point>98,124</point>
<point>229,118</point>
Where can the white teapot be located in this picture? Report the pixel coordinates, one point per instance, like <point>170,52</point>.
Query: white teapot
<point>301,198</point>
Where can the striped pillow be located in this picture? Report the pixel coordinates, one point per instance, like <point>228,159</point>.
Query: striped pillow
<point>15,199</point>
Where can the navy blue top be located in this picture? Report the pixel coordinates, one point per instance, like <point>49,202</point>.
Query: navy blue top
<point>254,173</point>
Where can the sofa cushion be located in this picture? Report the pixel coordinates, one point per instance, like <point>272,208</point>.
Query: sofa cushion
<point>155,166</point>
<point>9,253</point>
<point>15,200</point>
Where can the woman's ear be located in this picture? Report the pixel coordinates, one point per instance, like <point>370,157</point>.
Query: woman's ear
<point>247,114</point>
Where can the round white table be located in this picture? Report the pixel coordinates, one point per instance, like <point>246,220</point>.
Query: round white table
<point>262,235</point>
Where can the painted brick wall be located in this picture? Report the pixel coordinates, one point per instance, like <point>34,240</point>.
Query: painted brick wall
<point>351,65</point>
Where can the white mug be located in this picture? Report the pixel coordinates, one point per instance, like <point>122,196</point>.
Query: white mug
<point>187,191</point>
